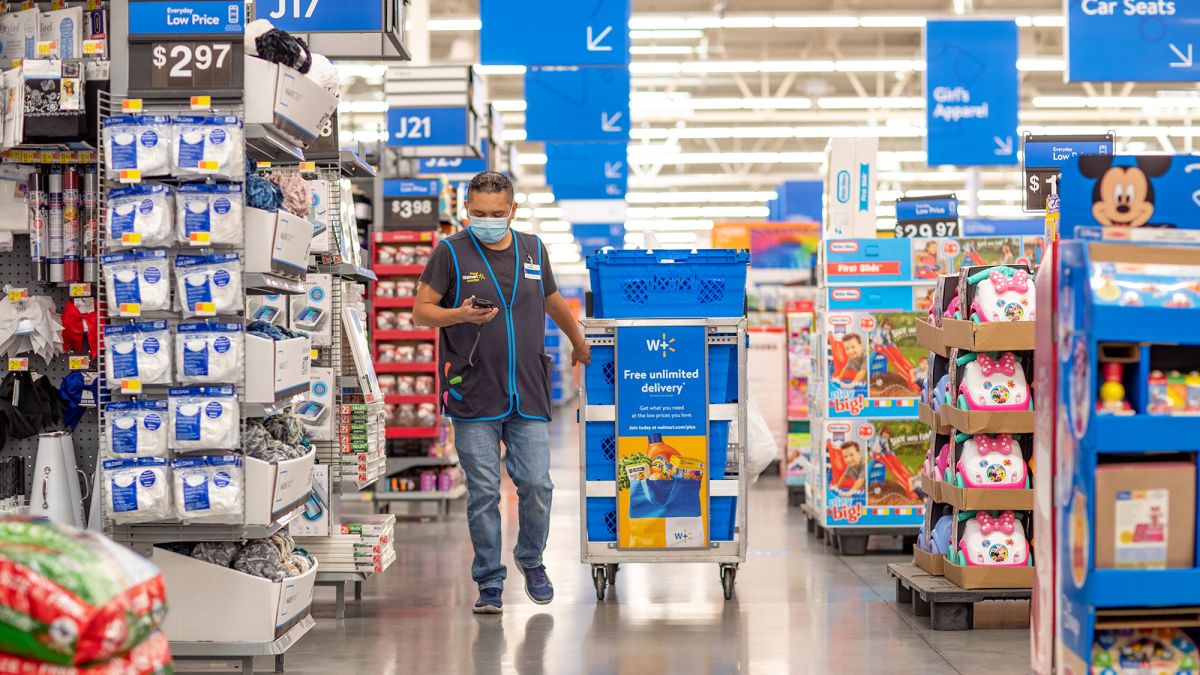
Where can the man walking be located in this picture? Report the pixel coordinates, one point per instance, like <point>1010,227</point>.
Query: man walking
<point>489,289</point>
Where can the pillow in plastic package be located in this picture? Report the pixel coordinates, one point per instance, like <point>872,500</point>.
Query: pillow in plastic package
<point>72,597</point>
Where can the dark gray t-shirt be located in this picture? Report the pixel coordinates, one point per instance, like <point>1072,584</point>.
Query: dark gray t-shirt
<point>439,273</point>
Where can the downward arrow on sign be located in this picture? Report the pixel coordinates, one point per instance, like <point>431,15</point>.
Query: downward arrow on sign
<point>593,43</point>
<point>612,170</point>
<point>609,124</point>
<point>1004,146</point>
<point>1185,60</point>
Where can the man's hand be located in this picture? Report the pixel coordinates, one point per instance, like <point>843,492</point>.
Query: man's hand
<point>469,314</point>
<point>581,353</point>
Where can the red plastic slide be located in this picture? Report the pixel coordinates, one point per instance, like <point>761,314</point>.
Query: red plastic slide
<point>837,465</point>
<point>896,357</point>
<point>892,462</point>
<point>838,351</point>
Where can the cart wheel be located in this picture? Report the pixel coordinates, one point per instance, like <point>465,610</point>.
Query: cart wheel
<point>728,577</point>
<point>611,571</point>
<point>600,579</point>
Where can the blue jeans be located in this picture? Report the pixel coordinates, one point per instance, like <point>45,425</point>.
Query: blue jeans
<point>528,464</point>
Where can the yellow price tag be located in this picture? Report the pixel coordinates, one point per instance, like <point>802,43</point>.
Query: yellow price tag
<point>20,365</point>
<point>200,238</point>
<point>314,354</point>
<point>16,63</point>
<point>131,386</point>
<point>263,165</point>
<point>79,362</point>
<point>93,4</point>
<point>131,176</point>
<point>132,105</point>
<point>28,4</point>
<point>58,4</point>
<point>93,47</point>
<point>201,103</point>
<point>18,294</point>
<point>209,165</point>
<point>81,290</point>
<point>308,166</point>
<point>47,48</point>
<point>131,238</point>
<point>206,309</point>
<point>129,309</point>
<point>27,156</point>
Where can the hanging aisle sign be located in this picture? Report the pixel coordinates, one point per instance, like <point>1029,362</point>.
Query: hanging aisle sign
<point>1133,40</point>
<point>555,32</point>
<point>972,92</point>
<point>927,217</point>
<point>577,105</point>
<point>587,170</point>
<point>662,437</point>
<point>427,126</point>
<point>323,16</point>
<point>1046,155</point>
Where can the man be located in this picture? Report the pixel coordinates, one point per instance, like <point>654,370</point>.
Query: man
<point>489,290</point>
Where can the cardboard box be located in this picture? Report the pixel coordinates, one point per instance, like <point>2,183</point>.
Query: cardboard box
<point>930,337</point>
<point>930,562</point>
<point>1012,336</point>
<point>286,101</point>
<point>971,577</point>
<point>303,527</point>
<point>984,422</point>
<point>277,243</point>
<point>985,499</point>
<point>850,182</point>
<point>931,487</point>
<point>1145,515</point>
<point>275,368</point>
<point>273,490</point>
<point>247,608</point>
<point>935,422</point>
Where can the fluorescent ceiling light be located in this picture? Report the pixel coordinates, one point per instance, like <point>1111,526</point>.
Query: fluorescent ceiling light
<point>676,133</point>
<point>811,66</point>
<point>468,24</point>
<point>514,135</point>
<point>640,103</point>
<point>554,226</point>
<point>500,70</point>
<point>520,197</point>
<point>531,159</point>
<point>635,238</point>
<point>697,212</point>
<point>661,50</point>
<point>698,197</point>
<point>551,238</point>
<point>362,70</point>
<point>565,257</point>
<point>661,225</point>
<point>1042,65</point>
<point>368,107</point>
<point>816,21</point>
<point>1186,101</point>
<point>892,22</point>
<point>879,65</point>
<point>676,237</point>
<point>522,226</point>
<point>683,34</point>
<point>552,213</point>
<point>524,213</point>
<point>509,105</point>
<point>870,102</point>
<point>541,198</point>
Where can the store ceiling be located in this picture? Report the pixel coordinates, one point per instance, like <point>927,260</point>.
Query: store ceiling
<point>732,97</point>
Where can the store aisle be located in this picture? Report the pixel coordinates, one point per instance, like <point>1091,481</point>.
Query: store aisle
<point>798,609</point>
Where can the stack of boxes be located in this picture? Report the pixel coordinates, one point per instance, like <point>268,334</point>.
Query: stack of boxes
<point>363,544</point>
<point>360,431</point>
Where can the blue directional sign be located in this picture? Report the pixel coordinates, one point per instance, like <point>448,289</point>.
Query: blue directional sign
<point>972,92</point>
<point>592,237</point>
<point>456,165</point>
<point>798,201</point>
<point>187,17</point>
<point>427,126</point>
<point>554,32</point>
<point>323,16</point>
<point>577,105</point>
<point>1133,41</point>
<point>587,170</point>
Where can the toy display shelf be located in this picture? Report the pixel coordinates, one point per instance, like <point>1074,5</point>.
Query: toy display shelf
<point>1140,298</point>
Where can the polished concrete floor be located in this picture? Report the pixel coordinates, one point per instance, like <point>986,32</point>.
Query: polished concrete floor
<point>799,608</point>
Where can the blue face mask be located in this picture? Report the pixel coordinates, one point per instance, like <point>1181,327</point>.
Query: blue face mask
<point>489,230</point>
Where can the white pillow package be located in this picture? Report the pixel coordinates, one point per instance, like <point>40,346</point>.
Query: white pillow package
<point>209,145</point>
<point>203,279</point>
<point>137,490</point>
<point>210,214</point>
<point>137,428</point>
<point>138,278</point>
<point>204,418</point>
<point>141,142</point>
<point>209,489</point>
<point>209,353</point>
<point>140,215</point>
<point>138,351</point>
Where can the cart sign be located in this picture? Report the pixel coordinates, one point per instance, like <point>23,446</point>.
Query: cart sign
<point>662,437</point>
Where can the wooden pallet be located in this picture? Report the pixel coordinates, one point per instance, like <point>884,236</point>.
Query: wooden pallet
<point>947,606</point>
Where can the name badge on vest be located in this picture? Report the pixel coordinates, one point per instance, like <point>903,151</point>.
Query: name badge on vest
<point>533,271</point>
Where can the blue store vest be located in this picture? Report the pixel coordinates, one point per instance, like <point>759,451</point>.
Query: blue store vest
<point>511,375</point>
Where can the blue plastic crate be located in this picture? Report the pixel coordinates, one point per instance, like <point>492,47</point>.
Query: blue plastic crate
<point>722,375</point>
<point>602,518</point>
<point>641,284</point>
<point>600,449</point>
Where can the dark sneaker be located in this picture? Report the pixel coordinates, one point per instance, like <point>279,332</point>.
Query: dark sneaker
<point>537,584</point>
<point>489,601</point>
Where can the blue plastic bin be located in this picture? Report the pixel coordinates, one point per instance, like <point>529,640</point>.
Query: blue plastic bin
<point>722,375</point>
<point>641,284</point>
<point>600,449</point>
<point>602,518</point>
